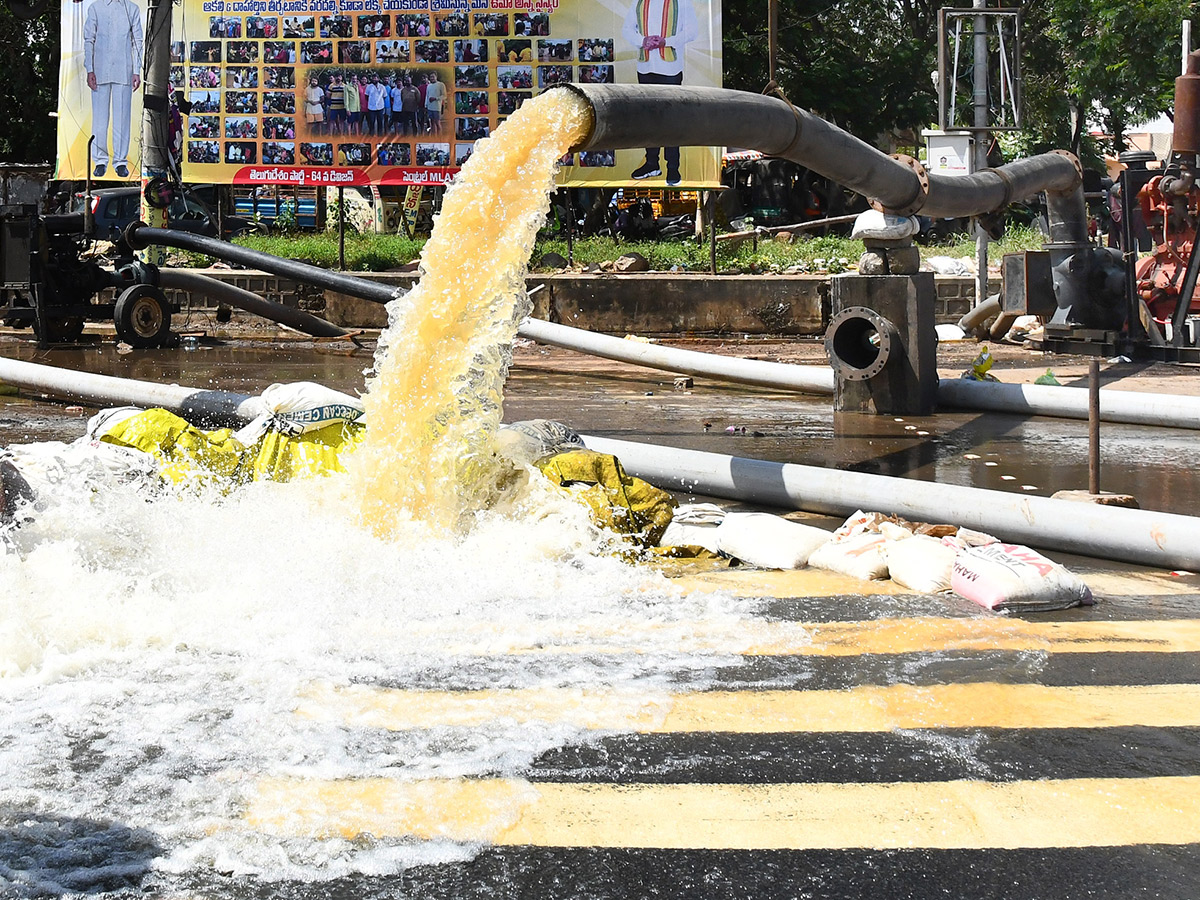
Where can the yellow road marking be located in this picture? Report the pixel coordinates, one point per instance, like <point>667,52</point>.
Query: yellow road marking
<point>860,709</point>
<point>1084,812</point>
<point>877,636</point>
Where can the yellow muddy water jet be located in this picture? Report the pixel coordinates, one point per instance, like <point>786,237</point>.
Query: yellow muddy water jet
<point>434,400</point>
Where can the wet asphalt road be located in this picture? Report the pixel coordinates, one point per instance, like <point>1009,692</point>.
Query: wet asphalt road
<point>1108,805</point>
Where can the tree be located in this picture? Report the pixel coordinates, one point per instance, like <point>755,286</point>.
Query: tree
<point>1120,59</point>
<point>29,56</point>
<point>863,66</point>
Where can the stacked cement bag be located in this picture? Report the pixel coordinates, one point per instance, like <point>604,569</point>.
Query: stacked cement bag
<point>871,546</point>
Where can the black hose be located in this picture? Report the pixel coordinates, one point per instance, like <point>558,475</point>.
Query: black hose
<point>251,302</point>
<point>139,236</point>
<point>642,115</point>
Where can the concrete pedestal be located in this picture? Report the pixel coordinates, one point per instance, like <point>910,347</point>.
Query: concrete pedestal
<point>882,344</point>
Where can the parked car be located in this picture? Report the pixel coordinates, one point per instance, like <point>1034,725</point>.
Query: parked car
<point>115,208</point>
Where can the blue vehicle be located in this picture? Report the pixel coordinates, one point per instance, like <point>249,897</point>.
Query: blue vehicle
<point>299,213</point>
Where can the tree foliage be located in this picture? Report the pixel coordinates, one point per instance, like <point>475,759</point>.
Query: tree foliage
<point>866,66</point>
<point>863,66</point>
<point>29,55</point>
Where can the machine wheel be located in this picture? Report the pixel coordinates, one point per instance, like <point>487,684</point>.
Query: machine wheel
<point>142,316</point>
<point>58,329</point>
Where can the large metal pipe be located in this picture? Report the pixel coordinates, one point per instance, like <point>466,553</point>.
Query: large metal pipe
<point>194,282</point>
<point>1128,407</point>
<point>1141,536</point>
<point>1146,537</point>
<point>643,115</point>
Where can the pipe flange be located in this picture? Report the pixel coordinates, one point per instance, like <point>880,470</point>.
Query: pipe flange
<point>859,343</point>
<point>1075,162</point>
<point>918,199</point>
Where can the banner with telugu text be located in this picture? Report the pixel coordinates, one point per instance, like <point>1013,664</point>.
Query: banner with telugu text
<point>355,92</point>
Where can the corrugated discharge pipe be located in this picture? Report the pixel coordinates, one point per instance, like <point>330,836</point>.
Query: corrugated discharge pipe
<point>645,115</point>
<point>1140,536</point>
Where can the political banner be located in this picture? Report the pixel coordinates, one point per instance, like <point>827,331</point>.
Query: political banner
<point>356,92</point>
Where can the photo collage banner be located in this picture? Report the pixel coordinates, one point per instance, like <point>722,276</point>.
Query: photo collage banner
<point>354,92</point>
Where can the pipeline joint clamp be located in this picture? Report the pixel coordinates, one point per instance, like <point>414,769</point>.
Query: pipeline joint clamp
<point>920,195</point>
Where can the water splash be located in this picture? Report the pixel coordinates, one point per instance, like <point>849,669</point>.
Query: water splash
<point>435,400</point>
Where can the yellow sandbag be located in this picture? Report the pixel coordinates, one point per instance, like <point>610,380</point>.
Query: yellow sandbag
<point>619,502</point>
<point>187,452</point>
<point>184,450</point>
<point>283,457</point>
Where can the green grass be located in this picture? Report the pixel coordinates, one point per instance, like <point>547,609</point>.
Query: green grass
<point>378,253</point>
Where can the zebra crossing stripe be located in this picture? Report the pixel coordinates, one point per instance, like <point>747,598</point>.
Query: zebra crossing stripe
<point>1085,812</point>
<point>865,708</point>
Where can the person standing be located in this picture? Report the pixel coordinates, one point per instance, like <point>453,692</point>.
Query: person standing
<point>435,96</point>
<point>660,30</point>
<point>376,99</point>
<point>350,100</point>
<point>410,100</point>
<point>112,58</point>
<point>314,105</point>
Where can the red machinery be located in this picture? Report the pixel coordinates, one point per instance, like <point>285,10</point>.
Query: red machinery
<point>1171,209</point>
<point>1170,203</point>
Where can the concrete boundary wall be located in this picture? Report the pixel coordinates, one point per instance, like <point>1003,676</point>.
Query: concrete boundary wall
<point>646,303</point>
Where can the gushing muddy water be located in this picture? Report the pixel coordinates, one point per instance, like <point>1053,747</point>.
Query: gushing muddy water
<point>156,646</point>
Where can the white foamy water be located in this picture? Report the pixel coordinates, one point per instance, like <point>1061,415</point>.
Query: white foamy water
<point>154,653</point>
<point>156,648</point>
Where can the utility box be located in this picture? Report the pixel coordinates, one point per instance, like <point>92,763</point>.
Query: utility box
<point>882,344</point>
<point>949,152</point>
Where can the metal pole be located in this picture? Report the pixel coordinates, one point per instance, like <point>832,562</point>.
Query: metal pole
<point>570,229</point>
<point>341,228</point>
<point>1187,44</point>
<point>156,120</point>
<point>712,232</point>
<point>772,38</point>
<point>1094,427</point>
<point>980,96</point>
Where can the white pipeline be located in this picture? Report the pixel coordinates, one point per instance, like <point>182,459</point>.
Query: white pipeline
<point>806,379</point>
<point>1128,407</point>
<point>195,405</point>
<point>1140,536</point>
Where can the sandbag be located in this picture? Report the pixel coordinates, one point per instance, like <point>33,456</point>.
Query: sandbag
<point>881,226</point>
<point>686,534</point>
<point>528,441</point>
<point>767,541</point>
<point>619,502</point>
<point>1011,577</point>
<point>860,555</point>
<point>921,563</point>
<point>306,406</point>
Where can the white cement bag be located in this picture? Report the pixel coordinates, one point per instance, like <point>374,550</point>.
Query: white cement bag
<point>305,406</point>
<point>528,441</point>
<point>920,563</point>
<point>699,514</point>
<point>771,542</point>
<point>104,421</point>
<point>879,226</point>
<point>685,534</point>
<point>1008,576</point>
<point>860,555</point>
